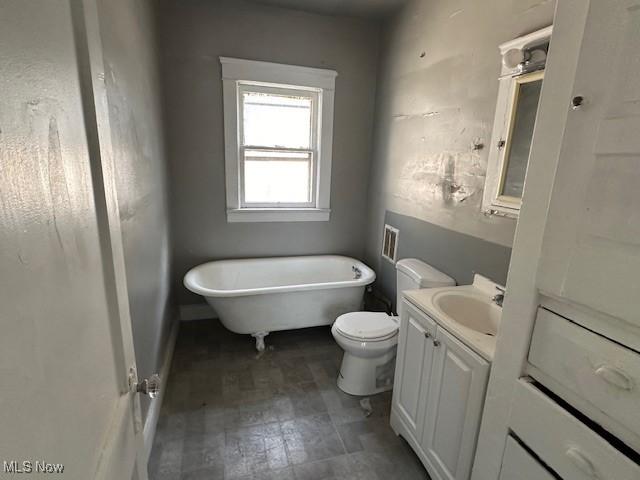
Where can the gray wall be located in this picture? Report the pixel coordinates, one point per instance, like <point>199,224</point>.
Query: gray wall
<point>437,89</point>
<point>454,253</point>
<point>134,97</point>
<point>193,35</point>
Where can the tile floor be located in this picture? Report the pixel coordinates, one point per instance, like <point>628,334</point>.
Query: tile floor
<point>230,413</point>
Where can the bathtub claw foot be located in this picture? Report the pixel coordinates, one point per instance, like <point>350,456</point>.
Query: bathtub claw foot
<point>260,340</point>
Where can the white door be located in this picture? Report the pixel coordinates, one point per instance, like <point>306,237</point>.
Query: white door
<point>591,250</point>
<point>413,366</point>
<point>456,397</point>
<point>66,346</point>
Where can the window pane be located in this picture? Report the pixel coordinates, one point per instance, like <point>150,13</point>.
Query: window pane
<point>276,120</point>
<point>525,119</point>
<point>277,177</point>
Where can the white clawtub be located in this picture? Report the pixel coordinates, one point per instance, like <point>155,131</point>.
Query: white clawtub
<point>262,295</point>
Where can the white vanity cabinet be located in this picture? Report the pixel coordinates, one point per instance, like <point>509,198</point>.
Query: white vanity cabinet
<point>454,407</point>
<point>438,395</point>
<point>413,368</point>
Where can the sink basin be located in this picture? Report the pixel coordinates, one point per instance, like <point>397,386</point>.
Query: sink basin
<point>471,311</point>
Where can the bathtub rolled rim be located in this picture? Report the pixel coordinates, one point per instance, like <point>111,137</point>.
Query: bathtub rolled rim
<point>189,281</point>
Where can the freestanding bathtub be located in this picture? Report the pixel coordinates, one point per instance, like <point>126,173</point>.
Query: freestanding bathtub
<point>262,295</point>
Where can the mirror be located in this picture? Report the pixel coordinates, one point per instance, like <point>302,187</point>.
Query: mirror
<point>518,143</point>
<point>520,88</point>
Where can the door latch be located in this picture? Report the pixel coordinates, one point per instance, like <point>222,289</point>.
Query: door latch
<point>149,386</point>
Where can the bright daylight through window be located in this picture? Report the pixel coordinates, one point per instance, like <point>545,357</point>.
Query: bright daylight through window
<point>278,135</point>
<point>278,147</point>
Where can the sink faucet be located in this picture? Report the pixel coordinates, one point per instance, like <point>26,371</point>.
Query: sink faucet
<point>499,297</point>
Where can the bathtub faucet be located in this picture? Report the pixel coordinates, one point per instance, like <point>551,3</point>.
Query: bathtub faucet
<point>357,271</point>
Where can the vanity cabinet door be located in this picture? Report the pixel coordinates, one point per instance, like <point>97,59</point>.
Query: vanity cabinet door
<point>456,397</point>
<point>413,367</point>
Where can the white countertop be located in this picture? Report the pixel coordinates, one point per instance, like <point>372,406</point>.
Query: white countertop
<point>482,289</point>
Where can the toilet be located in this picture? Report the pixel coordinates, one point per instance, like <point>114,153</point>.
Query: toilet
<point>369,339</point>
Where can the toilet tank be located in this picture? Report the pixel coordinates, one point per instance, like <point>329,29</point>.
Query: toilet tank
<point>412,274</point>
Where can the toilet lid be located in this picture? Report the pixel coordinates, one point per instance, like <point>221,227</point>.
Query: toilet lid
<point>367,325</point>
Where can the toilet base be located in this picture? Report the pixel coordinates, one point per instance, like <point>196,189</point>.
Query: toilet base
<point>367,376</point>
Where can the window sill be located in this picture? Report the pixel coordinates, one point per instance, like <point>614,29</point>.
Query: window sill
<point>237,215</point>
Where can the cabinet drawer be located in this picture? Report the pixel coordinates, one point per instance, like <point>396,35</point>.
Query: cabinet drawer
<point>563,442</point>
<point>518,464</point>
<point>598,371</point>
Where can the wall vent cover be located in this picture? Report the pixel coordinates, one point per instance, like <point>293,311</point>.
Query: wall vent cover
<point>390,243</point>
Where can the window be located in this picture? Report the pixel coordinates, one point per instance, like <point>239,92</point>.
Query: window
<point>277,146</point>
<point>518,97</point>
<point>278,140</point>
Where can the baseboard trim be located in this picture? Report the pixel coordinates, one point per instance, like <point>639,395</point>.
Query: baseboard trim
<point>153,414</point>
<point>196,311</point>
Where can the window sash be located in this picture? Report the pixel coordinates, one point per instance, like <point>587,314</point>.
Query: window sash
<point>311,93</point>
<point>313,176</point>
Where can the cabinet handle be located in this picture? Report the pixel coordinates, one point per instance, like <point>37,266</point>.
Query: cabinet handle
<point>427,335</point>
<point>614,376</point>
<point>436,343</point>
<point>581,461</point>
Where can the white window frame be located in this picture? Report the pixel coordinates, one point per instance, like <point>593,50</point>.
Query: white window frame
<point>312,94</point>
<point>319,84</point>
<point>493,201</point>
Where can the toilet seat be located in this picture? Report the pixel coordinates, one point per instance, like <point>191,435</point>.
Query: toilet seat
<point>367,326</point>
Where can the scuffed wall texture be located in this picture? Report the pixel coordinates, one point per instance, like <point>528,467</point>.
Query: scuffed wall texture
<point>134,97</point>
<point>194,33</point>
<point>437,89</point>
